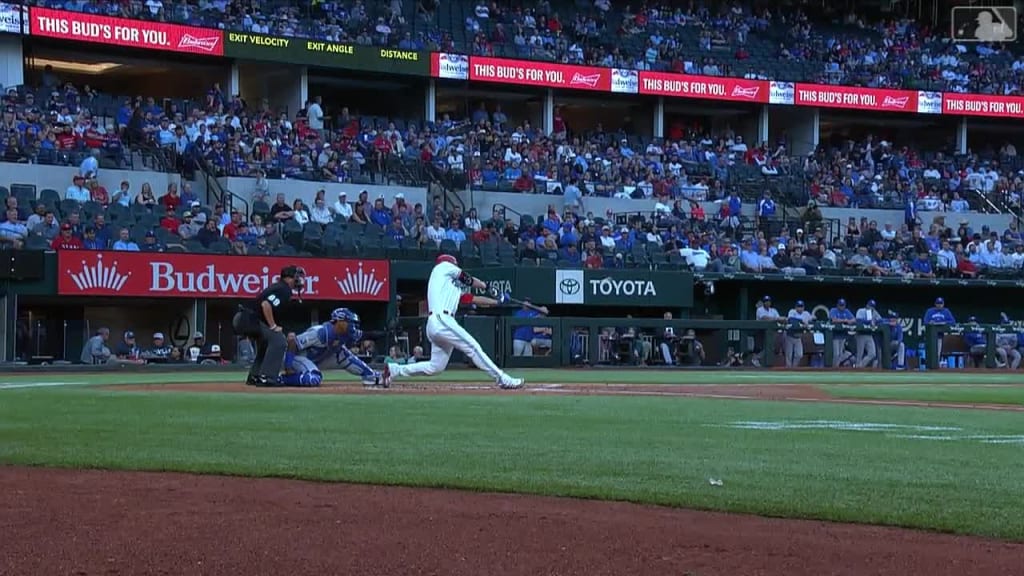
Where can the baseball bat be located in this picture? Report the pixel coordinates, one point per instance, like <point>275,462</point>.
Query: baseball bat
<point>519,302</point>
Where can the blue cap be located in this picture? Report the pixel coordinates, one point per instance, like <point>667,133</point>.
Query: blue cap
<point>799,303</point>
<point>841,302</point>
<point>150,234</point>
<point>871,304</point>
<point>940,301</point>
<point>893,314</point>
<point>972,319</point>
<point>766,298</point>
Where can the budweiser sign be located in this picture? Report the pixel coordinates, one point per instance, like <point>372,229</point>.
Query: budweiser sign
<point>856,98</point>
<point>193,276</point>
<point>705,87</point>
<point>543,74</point>
<point>124,32</point>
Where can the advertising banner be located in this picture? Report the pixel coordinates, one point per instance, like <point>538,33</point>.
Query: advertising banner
<point>640,288</point>
<point>542,74</point>
<point>706,87</point>
<point>449,66</point>
<point>855,98</point>
<point>13,18</point>
<point>124,32</point>
<point>164,275</point>
<point>637,288</point>
<point>991,105</point>
<point>306,52</point>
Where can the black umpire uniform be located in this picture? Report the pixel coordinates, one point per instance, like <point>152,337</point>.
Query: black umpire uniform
<point>260,324</point>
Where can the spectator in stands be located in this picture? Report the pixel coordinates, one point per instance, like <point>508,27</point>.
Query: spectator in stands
<point>66,240</point>
<point>280,212</point>
<point>98,193</point>
<point>380,215</point>
<point>123,196</point>
<point>13,232</point>
<point>90,167</point>
<point>171,199</point>
<point>146,196</point>
<point>48,228</point>
<point>299,212</point>
<point>36,217</point>
<point>77,191</point>
<point>170,221</point>
<point>124,242</point>
<point>151,243</point>
<point>455,233</point>
<point>342,209</point>
<point>209,233</point>
<point>188,227</point>
<point>320,213</point>
<point>231,229</point>
<point>359,214</point>
<point>89,241</point>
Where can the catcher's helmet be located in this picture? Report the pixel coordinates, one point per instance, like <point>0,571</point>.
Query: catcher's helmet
<point>344,314</point>
<point>447,258</point>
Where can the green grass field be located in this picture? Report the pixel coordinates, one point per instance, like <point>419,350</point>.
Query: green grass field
<point>934,468</point>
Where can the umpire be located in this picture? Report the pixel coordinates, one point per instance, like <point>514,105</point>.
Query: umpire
<point>260,325</point>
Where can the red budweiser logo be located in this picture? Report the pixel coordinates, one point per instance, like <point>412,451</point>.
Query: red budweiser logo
<point>749,92</point>
<point>590,80</point>
<point>206,43</point>
<point>192,276</point>
<point>894,102</point>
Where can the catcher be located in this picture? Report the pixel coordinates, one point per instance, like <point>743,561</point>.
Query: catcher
<point>308,350</point>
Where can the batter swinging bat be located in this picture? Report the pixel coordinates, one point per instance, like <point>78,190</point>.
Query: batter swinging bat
<point>494,293</point>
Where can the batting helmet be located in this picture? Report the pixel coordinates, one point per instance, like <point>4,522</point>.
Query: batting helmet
<point>447,258</point>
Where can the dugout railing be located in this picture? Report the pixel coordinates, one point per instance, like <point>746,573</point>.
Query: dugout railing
<point>596,341</point>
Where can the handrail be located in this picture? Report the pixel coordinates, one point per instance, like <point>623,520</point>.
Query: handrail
<point>505,209</point>
<point>223,195</point>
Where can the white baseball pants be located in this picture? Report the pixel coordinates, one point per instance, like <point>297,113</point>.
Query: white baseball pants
<point>445,334</point>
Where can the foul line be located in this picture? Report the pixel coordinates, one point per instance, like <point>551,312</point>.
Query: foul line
<point>13,386</point>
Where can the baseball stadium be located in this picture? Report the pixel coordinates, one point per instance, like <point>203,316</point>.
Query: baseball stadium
<point>484,287</point>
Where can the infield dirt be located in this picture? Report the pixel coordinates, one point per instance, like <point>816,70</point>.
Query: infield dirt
<point>79,522</point>
<point>780,392</point>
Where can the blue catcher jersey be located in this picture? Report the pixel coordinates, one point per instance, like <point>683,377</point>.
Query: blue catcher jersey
<point>319,342</point>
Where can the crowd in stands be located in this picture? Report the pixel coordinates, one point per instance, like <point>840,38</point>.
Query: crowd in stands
<point>57,125</point>
<point>735,38</point>
<point>677,233</point>
<point>491,151</point>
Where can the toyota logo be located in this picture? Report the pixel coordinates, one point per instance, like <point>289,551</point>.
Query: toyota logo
<point>569,286</point>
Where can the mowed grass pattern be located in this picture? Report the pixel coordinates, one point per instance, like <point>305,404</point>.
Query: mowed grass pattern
<point>953,394</point>
<point>653,450</point>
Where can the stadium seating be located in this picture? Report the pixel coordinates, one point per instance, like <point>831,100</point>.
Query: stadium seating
<point>67,127</point>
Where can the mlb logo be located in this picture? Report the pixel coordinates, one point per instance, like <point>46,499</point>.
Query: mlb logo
<point>983,24</point>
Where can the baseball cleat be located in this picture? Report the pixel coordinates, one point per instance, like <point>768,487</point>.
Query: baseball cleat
<point>263,381</point>
<point>375,382</point>
<point>510,383</point>
<point>385,376</point>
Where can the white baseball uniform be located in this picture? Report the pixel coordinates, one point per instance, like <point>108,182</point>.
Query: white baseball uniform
<point>443,294</point>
